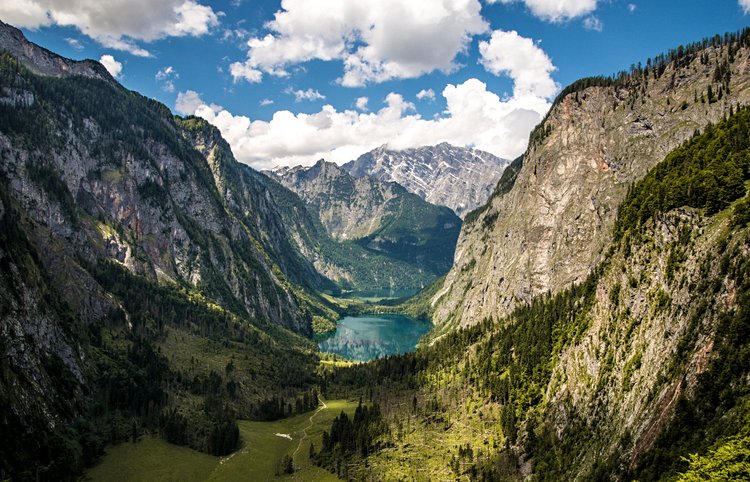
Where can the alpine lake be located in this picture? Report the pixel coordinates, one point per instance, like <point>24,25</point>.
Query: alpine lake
<point>365,338</point>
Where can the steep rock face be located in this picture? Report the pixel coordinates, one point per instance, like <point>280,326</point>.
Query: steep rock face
<point>254,198</point>
<point>446,175</point>
<point>349,208</point>
<point>382,217</point>
<point>651,333</point>
<point>550,229</point>
<point>147,200</point>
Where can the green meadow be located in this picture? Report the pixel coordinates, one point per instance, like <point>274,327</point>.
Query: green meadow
<point>153,459</point>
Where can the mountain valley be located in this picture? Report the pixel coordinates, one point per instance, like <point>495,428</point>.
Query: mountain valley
<point>167,311</point>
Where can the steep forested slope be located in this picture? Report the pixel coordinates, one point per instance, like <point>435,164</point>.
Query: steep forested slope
<point>148,282</point>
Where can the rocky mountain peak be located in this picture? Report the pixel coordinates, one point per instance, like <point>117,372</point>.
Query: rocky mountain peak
<point>457,177</point>
<point>381,216</point>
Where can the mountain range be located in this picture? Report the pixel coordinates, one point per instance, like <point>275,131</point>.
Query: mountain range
<point>594,323</point>
<point>457,177</point>
<point>381,217</point>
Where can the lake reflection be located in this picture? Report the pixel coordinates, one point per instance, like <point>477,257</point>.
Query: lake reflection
<point>364,338</point>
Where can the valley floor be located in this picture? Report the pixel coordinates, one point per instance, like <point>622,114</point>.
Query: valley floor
<point>264,445</point>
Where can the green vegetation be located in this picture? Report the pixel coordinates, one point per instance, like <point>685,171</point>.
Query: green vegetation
<point>265,451</point>
<point>729,461</point>
<point>152,459</point>
<point>708,172</point>
<point>356,437</point>
<point>499,371</point>
<point>417,233</point>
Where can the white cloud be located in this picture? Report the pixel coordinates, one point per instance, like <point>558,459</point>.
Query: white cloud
<point>473,116</point>
<point>633,6</point>
<point>115,24</point>
<point>556,10</point>
<point>428,94</point>
<point>266,102</point>
<point>166,73</point>
<point>745,4</point>
<point>242,71</point>
<point>75,43</point>
<point>593,23</point>
<point>113,67</point>
<point>188,102</point>
<point>507,53</point>
<point>309,94</point>
<point>167,76</point>
<point>377,40</point>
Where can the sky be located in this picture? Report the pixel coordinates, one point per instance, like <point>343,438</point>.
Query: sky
<point>293,81</point>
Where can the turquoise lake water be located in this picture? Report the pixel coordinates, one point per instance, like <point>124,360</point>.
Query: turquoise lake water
<point>364,338</point>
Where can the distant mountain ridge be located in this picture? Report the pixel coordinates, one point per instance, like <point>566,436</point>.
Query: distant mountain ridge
<point>457,177</point>
<point>382,217</point>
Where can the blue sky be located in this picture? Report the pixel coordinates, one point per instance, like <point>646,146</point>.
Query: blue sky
<point>293,91</point>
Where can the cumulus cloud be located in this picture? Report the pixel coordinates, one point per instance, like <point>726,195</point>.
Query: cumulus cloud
<point>74,43</point>
<point>593,23</point>
<point>113,66</point>
<point>120,23</point>
<point>428,94</point>
<point>266,102</point>
<point>242,71</point>
<point>507,53</point>
<point>745,4</point>
<point>473,116</point>
<point>557,10</point>
<point>377,40</point>
<point>633,6</point>
<point>167,76</point>
<point>188,102</point>
<point>309,94</point>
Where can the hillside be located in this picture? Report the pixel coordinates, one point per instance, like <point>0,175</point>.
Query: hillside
<point>601,135</point>
<point>457,177</point>
<point>381,219</point>
<point>620,377</point>
<point>148,283</point>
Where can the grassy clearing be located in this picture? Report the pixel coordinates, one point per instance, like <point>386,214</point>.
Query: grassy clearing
<point>152,459</point>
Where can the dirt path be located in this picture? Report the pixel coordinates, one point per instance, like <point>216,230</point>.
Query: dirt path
<point>309,426</point>
<point>304,431</point>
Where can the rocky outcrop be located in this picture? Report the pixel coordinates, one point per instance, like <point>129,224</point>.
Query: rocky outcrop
<point>457,177</point>
<point>349,208</point>
<point>550,230</point>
